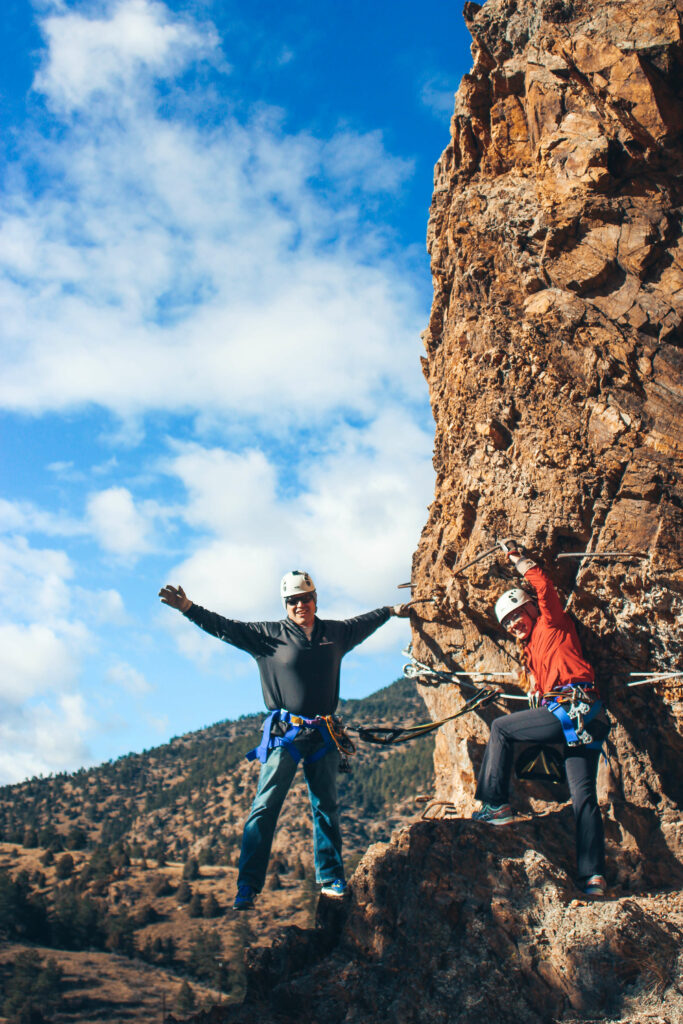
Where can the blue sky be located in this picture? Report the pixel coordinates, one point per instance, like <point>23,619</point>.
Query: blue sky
<point>212,282</point>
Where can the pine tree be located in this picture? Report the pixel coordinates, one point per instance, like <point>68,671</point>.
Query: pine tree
<point>186,999</point>
<point>195,906</point>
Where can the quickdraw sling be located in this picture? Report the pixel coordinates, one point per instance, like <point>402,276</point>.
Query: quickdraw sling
<point>390,735</point>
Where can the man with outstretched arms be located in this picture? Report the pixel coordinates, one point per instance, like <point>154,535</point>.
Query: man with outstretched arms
<point>299,659</point>
<point>567,711</point>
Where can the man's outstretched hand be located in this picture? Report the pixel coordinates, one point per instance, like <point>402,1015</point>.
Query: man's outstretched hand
<point>175,597</point>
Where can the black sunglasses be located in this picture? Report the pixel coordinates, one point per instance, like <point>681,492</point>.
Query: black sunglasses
<point>296,598</point>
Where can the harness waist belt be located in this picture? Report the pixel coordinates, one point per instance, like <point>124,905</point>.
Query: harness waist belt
<point>578,715</point>
<point>300,720</point>
<point>295,724</point>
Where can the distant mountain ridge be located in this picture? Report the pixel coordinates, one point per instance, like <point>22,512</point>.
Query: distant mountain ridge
<point>192,792</point>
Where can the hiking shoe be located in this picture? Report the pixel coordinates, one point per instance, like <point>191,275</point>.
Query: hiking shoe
<point>334,889</point>
<point>595,886</point>
<point>494,814</point>
<point>244,900</point>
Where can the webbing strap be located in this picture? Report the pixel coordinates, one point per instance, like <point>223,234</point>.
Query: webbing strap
<point>328,744</point>
<point>565,721</point>
<point>387,736</point>
<point>261,752</point>
<point>571,737</point>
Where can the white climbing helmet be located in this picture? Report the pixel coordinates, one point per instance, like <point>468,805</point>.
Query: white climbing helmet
<point>296,582</point>
<point>510,601</point>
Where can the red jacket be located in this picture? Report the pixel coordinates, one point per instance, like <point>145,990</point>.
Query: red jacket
<point>553,651</point>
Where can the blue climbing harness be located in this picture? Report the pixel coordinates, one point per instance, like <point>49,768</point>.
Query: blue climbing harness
<point>575,713</point>
<point>295,724</point>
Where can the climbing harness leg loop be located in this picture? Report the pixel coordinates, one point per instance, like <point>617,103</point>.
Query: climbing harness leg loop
<point>582,716</point>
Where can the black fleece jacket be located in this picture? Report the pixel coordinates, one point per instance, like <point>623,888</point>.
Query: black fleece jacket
<point>297,674</point>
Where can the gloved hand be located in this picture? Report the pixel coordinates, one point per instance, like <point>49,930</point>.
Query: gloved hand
<point>515,553</point>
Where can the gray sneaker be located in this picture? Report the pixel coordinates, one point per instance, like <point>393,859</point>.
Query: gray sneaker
<point>494,814</point>
<point>596,885</point>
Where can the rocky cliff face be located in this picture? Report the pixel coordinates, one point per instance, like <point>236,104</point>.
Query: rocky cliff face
<point>455,922</point>
<point>555,364</point>
<point>555,367</point>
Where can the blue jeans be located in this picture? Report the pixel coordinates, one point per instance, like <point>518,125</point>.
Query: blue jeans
<point>275,778</point>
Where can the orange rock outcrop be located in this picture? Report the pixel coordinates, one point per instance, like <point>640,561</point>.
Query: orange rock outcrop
<point>554,356</point>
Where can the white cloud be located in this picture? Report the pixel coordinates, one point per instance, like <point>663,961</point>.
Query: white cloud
<point>438,95</point>
<point>106,605</point>
<point>227,493</point>
<point>128,678</point>
<point>229,269</point>
<point>117,524</point>
<point>355,160</point>
<point>159,723</point>
<point>33,659</point>
<point>107,54</point>
<point>219,268</point>
<point>365,506</point>
<point>239,580</point>
<point>34,582</point>
<point>38,739</point>
<point>65,471</point>
<point>26,517</point>
<point>351,519</point>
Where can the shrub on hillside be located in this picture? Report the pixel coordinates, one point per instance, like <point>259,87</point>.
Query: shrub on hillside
<point>209,854</point>
<point>119,857</point>
<point>64,867</point>
<point>164,950</point>
<point>50,837</point>
<point>144,914</point>
<point>76,838</point>
<point>158,852</point>
<point>191,869</point>
<point>184,892</point>
<point>99,865</point>
<point>195,906</point>
<point>161,886</point>
<point>23,916</point>
<point>32,990</point>
<point>186,999</point>
<point>77,920</point>
<point>29,840</point>
<point>205,959</point>
<point>119,934</point>
<point>211,907</point>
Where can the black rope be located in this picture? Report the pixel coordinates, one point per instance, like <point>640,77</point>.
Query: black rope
<point>390,735</point>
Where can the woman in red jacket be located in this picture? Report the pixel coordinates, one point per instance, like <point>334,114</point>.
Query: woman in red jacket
<point>557,669</point>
